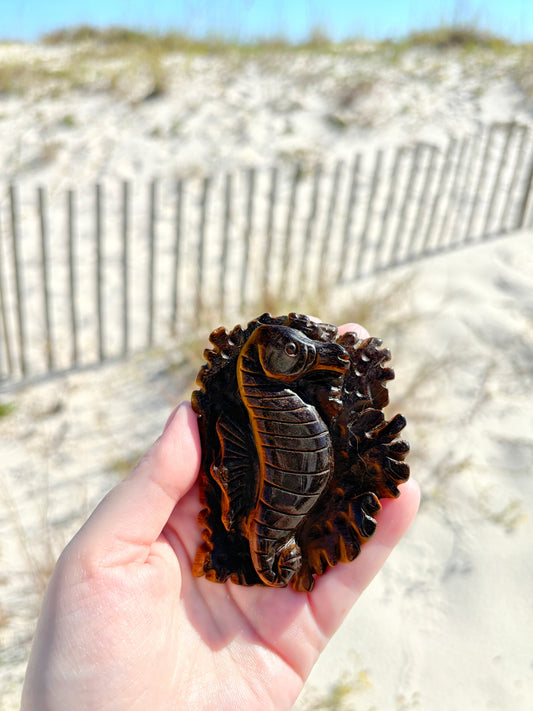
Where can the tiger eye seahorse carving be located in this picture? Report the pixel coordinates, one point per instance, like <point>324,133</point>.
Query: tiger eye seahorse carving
<point>292,442</point>
<point>296,450</point>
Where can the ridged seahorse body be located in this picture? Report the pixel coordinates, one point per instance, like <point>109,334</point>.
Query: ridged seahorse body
<point>293,444</point>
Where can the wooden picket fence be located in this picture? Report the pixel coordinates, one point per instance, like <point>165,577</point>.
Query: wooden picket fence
<point>99,272</point>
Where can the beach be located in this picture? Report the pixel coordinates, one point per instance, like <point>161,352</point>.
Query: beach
<point>447,622</point>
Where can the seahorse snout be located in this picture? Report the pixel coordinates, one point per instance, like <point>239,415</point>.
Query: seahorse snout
<point>332,356</point>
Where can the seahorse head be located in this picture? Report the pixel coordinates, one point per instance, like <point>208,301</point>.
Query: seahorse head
<point>287,354</point>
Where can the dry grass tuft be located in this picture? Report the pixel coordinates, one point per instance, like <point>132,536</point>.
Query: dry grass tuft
<point>457,36</point>
<point>40,555</point>
<point>342,693</point>
<point>7,408</point>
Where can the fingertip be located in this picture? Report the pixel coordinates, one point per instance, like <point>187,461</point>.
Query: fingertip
<point>411,489</point>
<point>354,328</point>
<point>397,515</point>
<point>347,328</point>
<point>409,495</point>
<point>182,419</point>
<point>179,446</point>
<point>171,417</point>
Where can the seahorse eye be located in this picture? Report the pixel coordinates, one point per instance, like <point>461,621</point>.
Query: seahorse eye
<point>291,348</point>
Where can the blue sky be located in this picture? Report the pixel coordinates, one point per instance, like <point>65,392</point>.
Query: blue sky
<point>245,19</point>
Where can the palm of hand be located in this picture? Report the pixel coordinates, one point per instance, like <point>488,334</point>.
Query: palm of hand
<point>125,625</point>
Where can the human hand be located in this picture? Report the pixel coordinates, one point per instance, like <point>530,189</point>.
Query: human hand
<point>126,626</point>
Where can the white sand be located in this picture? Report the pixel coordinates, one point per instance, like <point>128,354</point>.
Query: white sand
<point>447,624</point>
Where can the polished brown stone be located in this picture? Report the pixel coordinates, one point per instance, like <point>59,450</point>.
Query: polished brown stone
<point>296,450</point>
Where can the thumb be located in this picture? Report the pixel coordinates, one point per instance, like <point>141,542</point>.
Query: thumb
<point>136,510</point>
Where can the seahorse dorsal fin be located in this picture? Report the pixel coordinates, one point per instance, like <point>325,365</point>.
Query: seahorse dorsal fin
<point>235,474</point>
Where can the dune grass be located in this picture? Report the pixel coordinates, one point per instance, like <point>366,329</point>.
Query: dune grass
<point>439,37</point>
<point>110,58</point>
<point>463,36</point>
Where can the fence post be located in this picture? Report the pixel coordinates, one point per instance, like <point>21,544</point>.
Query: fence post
<point>522,212</point>
<point>480,182</point>
<point>452,192</point>
<point>289,225</point>
<point>501,164</point>
<point>151,261</point>
<point>350,203</point>
<point>49,351</point>
<point>326,236</point>
<point>125,267</point>
<point>464,191</point>
<point>391,197</point>
<point>306,256</point>
<point>98,275</point>
<point>3,315</point>
<point>270,232</point>
<point>422,202</point>
<point>17,270</point>
<point>363,240</point>
<point>71,276</point>
<point>445,166</point>
<point>407,197</point>
<point>177,257</point>
<point>518,163</point>
<point>228,192</point>
<point>206,183</point>
<point>247,234</point>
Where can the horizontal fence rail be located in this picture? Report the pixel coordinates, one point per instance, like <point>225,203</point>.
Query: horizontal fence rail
<point>101,272</point>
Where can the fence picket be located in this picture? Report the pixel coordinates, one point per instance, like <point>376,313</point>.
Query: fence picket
<point>445,237</point>
<point>225,243</point>
<point>467,191</point>
<point>247,234</point>
<point>422,202</point>
<point>72,294</point>
<point>348,218</point>
<point>462,186</point>
<point>151,262</point>
<point>363,239</point>
<point>175,294</point>
<point>394,257</point>
<point>508,131</point>
<point>480,183</point>
<point>48,341</point>
<point>206,184</point>
<point>267,284</point>
<point>125,266</point>
<point>98,272</point>
<point>303,272</point>
<point>513,185</point>
<point>6,339</point>
<point>523,210</point>
<point>17,271</point>
<point>325,241</point>
<point>439,192</point>
<point>289,226</point>
<point>387,213</point>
